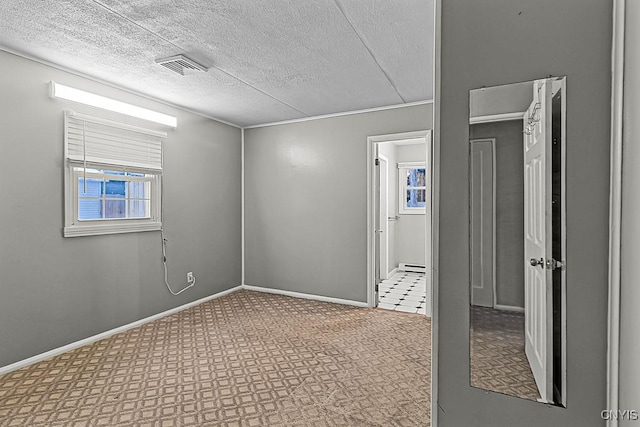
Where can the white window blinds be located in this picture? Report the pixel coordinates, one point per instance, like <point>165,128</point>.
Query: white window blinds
<point>103,142</point>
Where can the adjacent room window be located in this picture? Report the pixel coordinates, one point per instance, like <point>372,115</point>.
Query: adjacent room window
<point>112,177</point>
<point>412,188</point>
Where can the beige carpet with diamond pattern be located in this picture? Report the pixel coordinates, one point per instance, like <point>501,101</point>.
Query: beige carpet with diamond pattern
<point>498,360</point>
<point>245,359</point>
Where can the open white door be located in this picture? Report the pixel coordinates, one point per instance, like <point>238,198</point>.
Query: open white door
<point>537,239</point>
<point>383,229</point>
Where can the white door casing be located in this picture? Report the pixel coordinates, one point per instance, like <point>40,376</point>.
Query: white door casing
<point>537,238</point>
<point>373,217</point>
<point>431,165</point>
<point>376,223</point>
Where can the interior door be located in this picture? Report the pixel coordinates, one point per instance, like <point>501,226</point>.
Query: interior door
<point>537,238</point>
<point>376,226</point>
<point>383,229</point>
<point>482,223</point>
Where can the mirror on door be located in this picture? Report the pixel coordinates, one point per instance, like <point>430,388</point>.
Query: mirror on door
<point>517,239</point>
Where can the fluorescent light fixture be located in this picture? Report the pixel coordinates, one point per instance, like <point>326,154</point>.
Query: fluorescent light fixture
<point>88,98</point>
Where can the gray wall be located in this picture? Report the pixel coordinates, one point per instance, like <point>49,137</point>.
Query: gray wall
<point>410,228</point>
<point>509,171</point>
<point>514,98</point>
<point>305,201</point>
<point>55,290</point>
<point>504,41</point>
<point>629,386</point>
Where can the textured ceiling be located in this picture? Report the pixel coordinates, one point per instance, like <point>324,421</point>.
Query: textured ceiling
<point>270,60</point>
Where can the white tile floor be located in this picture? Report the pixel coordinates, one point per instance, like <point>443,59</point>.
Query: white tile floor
<point>404,291</point>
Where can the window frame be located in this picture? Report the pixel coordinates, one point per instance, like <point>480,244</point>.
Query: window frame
<point>75,227</point>
<point>75,168</point>
<point>403,209</point>
<point>103,177</point>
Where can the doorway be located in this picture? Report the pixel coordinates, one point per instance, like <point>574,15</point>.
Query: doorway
<point>400,172</point>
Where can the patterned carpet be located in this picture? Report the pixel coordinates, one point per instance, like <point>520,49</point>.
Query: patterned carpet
<point>246,359</point>
<point>498,360</point>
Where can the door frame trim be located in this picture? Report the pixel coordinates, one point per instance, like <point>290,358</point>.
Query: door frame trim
<point>615,209</point>
<point>371,253</point>
<point>492,142</point>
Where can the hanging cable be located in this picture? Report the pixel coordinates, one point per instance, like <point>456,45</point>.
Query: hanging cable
<point>84,156</point>
<point>164,243</point>
<point>164,262</point>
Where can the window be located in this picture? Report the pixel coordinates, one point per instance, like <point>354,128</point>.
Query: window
<point>412,188</point>
<point>112,178</point>
<point>104,195</point>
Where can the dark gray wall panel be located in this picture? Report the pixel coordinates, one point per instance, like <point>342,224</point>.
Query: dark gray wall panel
<point>504,41</point>
<point>629,385</point>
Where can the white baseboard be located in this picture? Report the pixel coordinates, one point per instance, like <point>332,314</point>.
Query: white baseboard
<point>392,272</point>
<point>305,296</point>
<point>509,308</point>
<point>56,351</point>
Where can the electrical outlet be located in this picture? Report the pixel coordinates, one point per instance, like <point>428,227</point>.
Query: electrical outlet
<point>190,278</point>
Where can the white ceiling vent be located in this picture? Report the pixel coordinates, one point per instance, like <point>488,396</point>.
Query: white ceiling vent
<point>179,63</point>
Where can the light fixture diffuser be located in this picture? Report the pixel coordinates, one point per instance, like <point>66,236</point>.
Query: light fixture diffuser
<point>88,98</point>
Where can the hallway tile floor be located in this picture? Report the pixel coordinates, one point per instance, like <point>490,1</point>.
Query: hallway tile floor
<point>404,291</point>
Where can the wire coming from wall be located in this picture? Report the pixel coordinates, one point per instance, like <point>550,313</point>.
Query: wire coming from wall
<point>164,243</point>
<point>166,272</point>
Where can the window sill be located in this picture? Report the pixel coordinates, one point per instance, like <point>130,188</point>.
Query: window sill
<point>112,228</point>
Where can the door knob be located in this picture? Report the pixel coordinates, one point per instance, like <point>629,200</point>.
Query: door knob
<point>535,262</point>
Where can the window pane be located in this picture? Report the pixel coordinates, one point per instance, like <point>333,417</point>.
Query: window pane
<point>94,187</point>
<point>89,203</point>
<point>115,209</point>
<point>115,188</point>
<point>139,208</point>
<point>416,198</point>
<point>416,177</point>
<point>113,196</point>
<point>137,190</point>
<point>89,208</point>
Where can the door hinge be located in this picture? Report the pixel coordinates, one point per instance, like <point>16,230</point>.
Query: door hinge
<point>377,162</point>
<point>553,264</point>
<point>377,287</point>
